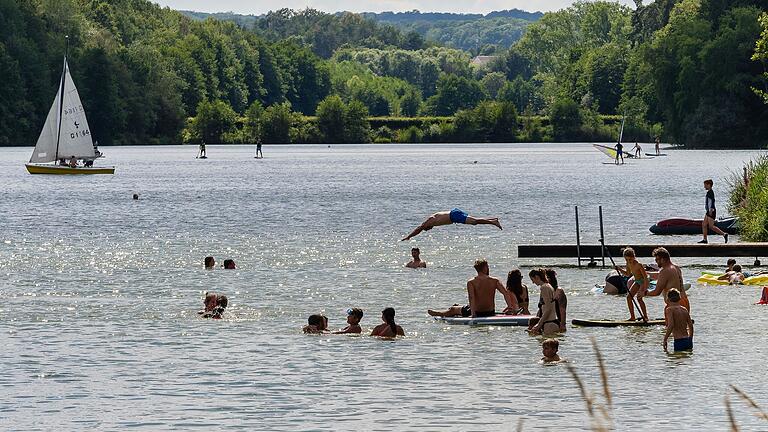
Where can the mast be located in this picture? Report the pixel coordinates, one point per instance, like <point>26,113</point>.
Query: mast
<point>621,132</point>
<point>61,97</point>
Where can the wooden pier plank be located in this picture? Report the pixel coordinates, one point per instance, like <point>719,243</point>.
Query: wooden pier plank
<point>645,250</point>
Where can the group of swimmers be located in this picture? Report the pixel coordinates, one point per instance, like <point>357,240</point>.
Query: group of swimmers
<point>318,324</point>
<point>210,263</point>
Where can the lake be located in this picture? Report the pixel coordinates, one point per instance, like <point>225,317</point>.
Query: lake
<point>101,292</point>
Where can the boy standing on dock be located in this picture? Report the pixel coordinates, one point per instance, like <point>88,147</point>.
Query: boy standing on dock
<point>679,323</point>
<point>711,215</point>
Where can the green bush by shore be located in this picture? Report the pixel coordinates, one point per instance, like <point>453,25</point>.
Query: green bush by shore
<point>749,200</point>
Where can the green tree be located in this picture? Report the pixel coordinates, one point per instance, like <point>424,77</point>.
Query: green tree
<point>277,122</point>
<point>455,93</point>
<point>357,129</point>
<point>492,83</point>
<point>252,129</point>
<point>565,119</point>
<point>213,121</point>
<point>330,119</point>
<point>410,103</point>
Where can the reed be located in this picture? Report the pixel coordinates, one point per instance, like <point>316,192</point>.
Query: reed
<point>731,418</point>
<point>751,402</point>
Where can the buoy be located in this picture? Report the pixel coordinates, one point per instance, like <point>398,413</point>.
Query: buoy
<point>764,296</point>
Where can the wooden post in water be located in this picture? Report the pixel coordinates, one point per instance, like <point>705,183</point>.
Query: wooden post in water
<point>578,240</point>
<point>602,233</point>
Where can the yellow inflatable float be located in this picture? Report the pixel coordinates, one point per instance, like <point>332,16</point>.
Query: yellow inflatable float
<point>711,279</point>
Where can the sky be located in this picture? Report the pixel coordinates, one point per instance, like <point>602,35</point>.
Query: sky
<point>258,7</point>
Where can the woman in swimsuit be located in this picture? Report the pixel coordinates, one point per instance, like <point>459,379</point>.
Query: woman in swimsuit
<point>639,286</point>
<point>516,286</point>
<point>561,301</point>
<point>548,322</point>
<point>389,328</point>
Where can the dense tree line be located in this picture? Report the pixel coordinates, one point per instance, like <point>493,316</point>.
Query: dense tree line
<point>691,71</point>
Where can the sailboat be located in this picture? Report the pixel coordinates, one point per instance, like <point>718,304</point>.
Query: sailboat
<point>65,135</point>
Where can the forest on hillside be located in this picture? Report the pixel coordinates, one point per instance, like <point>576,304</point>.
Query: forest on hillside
<point>690,71</point>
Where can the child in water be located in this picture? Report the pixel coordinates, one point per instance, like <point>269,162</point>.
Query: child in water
<point>679,323</point>
<point>549,350</point>
<point>354,316</point>
<point>316,324</point>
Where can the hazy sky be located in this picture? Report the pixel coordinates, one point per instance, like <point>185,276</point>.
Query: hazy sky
<point>258,7</point>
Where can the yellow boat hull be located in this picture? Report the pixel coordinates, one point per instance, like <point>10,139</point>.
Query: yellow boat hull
<point>65,170</point>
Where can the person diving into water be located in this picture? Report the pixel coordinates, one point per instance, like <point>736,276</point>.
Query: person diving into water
<point>451,217</point>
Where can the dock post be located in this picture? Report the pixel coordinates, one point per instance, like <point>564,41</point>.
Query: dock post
<point>578,239</point>
<point>602,234</point>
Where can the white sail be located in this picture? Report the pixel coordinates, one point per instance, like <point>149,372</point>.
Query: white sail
<point>45,149</point>
<point>75,136</point>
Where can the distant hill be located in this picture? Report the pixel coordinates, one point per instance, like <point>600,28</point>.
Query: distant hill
<point>477,33</point>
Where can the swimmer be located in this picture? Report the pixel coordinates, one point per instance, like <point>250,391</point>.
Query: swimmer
<point>547,322</point>
<point>639,286</point>
<point>451,217</point>
<point>354,316</point>
<point>316,324</point>
<point>481,291</point>
<point>549,350</point>
<point>516,286</point>
<point>678,323</point>
<point>416,262</point>
<point>210,263</point>
<point>215,304</point>
<point>135,196</point>
<point>389,328</point>
<point>229,264</point>
<point>730,263</point>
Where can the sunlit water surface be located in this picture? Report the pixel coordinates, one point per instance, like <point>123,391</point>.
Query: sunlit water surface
<point>100,292</point>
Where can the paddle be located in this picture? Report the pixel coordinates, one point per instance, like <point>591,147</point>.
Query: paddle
<point>634,300</point>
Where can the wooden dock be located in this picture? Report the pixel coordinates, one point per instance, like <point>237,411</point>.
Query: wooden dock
<point>594,251</point>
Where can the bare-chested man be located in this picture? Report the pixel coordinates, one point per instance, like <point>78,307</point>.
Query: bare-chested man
<point>417,262</point>
<point>482,292</point>
<point>451,217</point>
<point>670,277</point>
<point>679,323</point>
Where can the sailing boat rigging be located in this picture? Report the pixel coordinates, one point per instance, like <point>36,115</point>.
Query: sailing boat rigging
<point>66,135</point>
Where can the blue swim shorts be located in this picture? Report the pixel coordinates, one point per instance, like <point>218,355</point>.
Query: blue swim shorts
<point>684,344</point>
<point>458,216</point>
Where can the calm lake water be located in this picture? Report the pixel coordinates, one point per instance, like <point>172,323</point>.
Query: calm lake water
<point>100,292</point>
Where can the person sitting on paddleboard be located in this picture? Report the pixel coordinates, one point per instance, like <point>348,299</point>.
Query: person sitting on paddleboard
<point>711,215</point>
<point>640,283</point>
<point>678,323</point>
<point>481,291</point>
<point>454,311</point>
<point>451,217</point>
<point>561,301</point>
<point>547,322</point>
<point>516,286</point>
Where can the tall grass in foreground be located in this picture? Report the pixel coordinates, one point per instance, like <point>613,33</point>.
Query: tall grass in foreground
<point>749,199</point>
<point>600,411</point>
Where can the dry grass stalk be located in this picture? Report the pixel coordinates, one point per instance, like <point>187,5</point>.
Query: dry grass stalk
<point>520,424</point>
<point>760,413</point>
<point>731,419</point>
<point>603,373</point>
<point>582,389</point>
